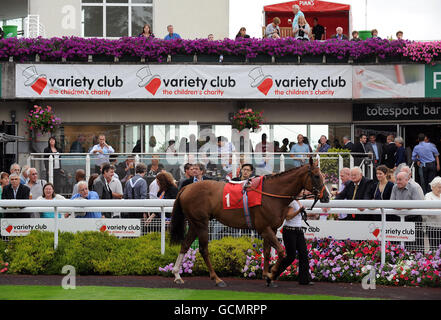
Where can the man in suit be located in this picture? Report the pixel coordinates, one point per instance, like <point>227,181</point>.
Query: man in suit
<point>376,149</point>
<point>18,191</point>
<point>197,174</point>
<point>390,149</point>
<point>360,147</point>
<point>136,188</point>
<point>358,188</point>
<point>339,35</point>
<point>347,143</point>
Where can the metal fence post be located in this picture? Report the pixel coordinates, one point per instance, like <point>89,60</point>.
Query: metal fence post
<point>87,167</point>
<point>282,162</point>
<point>402,220</point>
<point>318,158</point>
<point>383,237</point>
<point>28,161</point>
<point>162,230</point>
<point>351,161</point>
<point>56,228</point>
<point>137,159</point>
<point>340,166</point>
<point>233,165</point>
<point>51,169</point>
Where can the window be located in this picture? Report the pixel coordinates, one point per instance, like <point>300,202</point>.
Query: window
<point>115,18</point>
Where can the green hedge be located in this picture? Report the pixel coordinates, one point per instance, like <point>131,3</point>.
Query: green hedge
<point>102,254</point>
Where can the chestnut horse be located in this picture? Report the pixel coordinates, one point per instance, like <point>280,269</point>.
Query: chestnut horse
<point>199,202</point>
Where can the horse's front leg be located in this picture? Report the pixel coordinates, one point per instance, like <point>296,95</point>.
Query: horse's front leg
<point>266,255</point>
<point>270,236</point>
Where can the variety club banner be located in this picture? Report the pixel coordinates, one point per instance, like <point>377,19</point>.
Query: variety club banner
<point>79,81</point>
<point>117,227</point>
<point>359,230</point>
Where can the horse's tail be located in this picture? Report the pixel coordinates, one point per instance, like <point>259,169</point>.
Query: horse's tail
<point>177,223</point>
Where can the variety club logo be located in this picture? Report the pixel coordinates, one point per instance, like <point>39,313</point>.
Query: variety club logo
<point>150,82</point>
<point>37,82</point>
<point>6,226</point>
<point>262,82</point>
<point>374,230</point>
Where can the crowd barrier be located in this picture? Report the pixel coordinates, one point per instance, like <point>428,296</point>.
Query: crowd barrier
<point>384,208</point>
<point>218,167</point>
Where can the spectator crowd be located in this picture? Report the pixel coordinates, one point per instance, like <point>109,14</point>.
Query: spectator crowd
<point>126,180</point>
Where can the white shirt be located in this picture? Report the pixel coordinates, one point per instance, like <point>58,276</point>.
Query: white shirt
<point>297,220</point>
<point>153,189</point>
<point>115,185</point>
<point>434,221</point>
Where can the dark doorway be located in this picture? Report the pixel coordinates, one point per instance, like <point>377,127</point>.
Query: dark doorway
<point>410,134</point>
<point>380,131</point>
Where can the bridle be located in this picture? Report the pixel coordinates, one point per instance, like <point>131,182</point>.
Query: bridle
<point>317,192</point>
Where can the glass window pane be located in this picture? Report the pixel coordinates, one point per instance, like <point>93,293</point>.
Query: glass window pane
<point>141,16</point>
<point>117,22</point>
<point>92,1</point>
<point>316,132</point>
<point>93,21</point>
<point>142,1</point>
<point>289,132</point>
<point>117,1</point>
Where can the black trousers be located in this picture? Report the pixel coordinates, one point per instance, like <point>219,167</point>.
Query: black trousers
<point>426,175</point>
<point>294,241</point>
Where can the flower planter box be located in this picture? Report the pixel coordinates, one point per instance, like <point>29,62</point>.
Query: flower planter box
<point>288,59</point>
<point>366,59</point>
<point>395,59</point>
<point>214,58</point>
<point>231,58</point>
<point>182,58</point>
<point>102,58</point>
<point>311,59</point>
<point>77,59</point>
<point>261,58</point>
<point>335,59</point>
<point>129,59</point>
<point>28,57</point>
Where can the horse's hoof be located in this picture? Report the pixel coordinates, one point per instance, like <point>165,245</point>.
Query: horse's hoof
<point>179,281</point>
<point>221,284</point>
<point>271,284</point>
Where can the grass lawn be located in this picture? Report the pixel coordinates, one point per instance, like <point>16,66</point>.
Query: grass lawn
<point>119,293</point>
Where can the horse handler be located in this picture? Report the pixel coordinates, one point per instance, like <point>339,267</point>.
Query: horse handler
<point>294,240</point>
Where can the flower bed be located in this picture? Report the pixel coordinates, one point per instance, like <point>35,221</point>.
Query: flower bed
<point>350,261</point>
<point>157,50</point>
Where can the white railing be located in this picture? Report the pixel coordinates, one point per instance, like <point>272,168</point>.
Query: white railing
<point>264,163</point>
<point>384,207</point>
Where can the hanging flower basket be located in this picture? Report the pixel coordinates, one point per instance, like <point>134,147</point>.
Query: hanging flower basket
<point>42,120</point>
<point>247,118</point>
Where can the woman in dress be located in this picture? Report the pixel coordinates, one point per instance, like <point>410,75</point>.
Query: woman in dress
<point>302,31</point>
<point>53,150</point>
<point>382,191</point>
<point>147,32</point>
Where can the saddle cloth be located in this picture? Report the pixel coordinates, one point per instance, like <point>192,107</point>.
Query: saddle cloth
<point>233,194</point>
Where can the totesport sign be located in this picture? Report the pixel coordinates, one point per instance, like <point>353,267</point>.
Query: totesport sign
<point>117,227</point>
<point>79,81</point>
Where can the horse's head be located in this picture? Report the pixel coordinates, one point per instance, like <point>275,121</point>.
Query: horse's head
<point>315,182</point>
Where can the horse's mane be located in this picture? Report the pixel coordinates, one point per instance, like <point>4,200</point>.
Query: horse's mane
<point>277,175</point>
